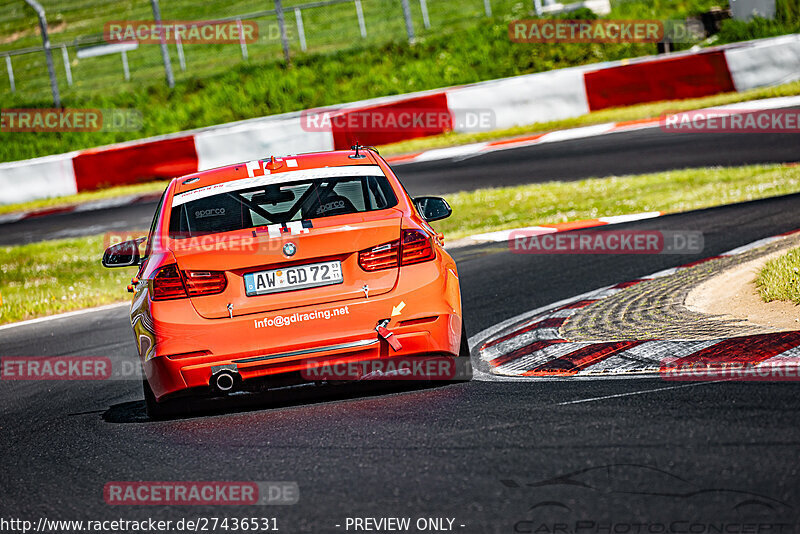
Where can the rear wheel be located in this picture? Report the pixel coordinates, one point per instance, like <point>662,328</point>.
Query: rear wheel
<point>463,352</point>
<point>464,367</point>
<point>161,410</point>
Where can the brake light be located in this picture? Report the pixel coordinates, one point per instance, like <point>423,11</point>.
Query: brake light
<point>204,282</point>
<point>414,246</point>
<point>381,257</point>
<point>170,283</point>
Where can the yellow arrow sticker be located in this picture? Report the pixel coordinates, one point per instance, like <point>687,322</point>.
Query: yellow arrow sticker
<point>397,309</point>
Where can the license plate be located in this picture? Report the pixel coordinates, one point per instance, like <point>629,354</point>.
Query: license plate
<point>290,278</point>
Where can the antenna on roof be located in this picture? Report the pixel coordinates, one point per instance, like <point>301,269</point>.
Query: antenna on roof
<point>357,155</point>
<point>274,163</point>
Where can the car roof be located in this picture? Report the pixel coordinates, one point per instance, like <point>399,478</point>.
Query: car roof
<point>312,160</point>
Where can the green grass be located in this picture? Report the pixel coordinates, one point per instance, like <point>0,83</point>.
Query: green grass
<point>58,276</point>
<point>88,196</point>
<point>327,29</point>
<point>453,139</point>
<point>779,279</point>
<point>787,20</point>
<point>340,66</point>
<point>463,46</point>
<point>248,90</point>
<point>488,210</point>
<point>641,111</point>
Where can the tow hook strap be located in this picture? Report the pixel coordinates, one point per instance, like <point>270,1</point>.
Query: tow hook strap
<point>389,336</point>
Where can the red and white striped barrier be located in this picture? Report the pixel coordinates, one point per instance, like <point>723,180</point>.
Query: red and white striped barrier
<point>513,101</point>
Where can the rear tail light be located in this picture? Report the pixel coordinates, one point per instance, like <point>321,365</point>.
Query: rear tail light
<point>204,282</point>
<point>416,248</point>
<point>413,246</point>
<point>381,257</point>
<point>170,283</point>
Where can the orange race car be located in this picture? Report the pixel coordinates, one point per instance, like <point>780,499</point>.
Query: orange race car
<point>264,271</point>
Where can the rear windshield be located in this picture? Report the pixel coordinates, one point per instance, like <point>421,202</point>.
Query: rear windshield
<point>280,203</point>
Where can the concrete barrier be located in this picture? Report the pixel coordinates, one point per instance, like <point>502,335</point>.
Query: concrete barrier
<point>765,63</point>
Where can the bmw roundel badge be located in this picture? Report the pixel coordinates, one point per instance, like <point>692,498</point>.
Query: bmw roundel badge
<point>289,249</point>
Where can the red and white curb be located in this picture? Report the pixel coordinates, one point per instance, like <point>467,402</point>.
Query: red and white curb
<point>584,132</point>
<point>529,345</point>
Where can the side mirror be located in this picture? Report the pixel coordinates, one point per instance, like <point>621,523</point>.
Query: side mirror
<point>433,208</point>
<point>125,254</point>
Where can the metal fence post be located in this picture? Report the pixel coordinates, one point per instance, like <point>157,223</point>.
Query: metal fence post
<point>282,26</point>
<point>537,6</point>
<point>242,40</point>
<point>47,52</point>
<point>360,14</point>
<point>181,57</point>
<point>409,22</point>
<point>423,5</point>
<point>487,7</point>
<point>125,70</point>
<point>164,50</point>
<point>10,74</point>
<point>67,68</point>
<point>301,32</point>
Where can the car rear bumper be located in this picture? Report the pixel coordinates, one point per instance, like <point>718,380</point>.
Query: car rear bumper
<point>190,349</point>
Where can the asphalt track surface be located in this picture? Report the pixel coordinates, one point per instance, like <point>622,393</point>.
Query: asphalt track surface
<point>619,456</point>
<point>634,152</point>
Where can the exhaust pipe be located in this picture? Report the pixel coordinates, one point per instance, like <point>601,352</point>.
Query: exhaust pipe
<point>225,380</point>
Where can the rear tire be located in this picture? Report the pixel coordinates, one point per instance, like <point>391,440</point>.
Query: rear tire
<point>163,409</point>
<point>464,356</point>
<point>463,351</point>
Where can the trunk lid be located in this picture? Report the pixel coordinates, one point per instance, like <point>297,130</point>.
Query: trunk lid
<point>335,238</point>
